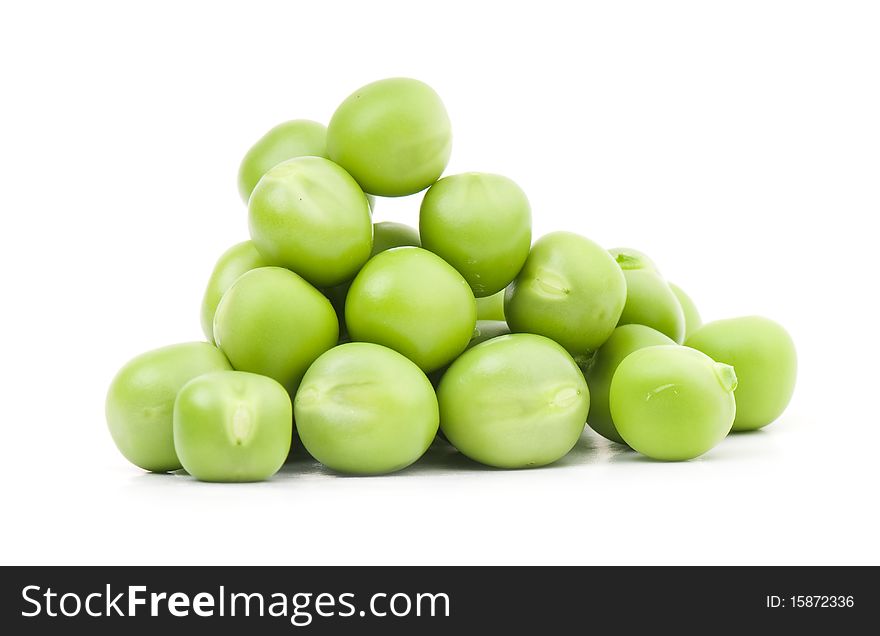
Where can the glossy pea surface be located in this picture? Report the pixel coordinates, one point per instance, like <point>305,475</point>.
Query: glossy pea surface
<point>308,215</point>
<point>238,259</point>
<point>570,290</point>
<point>365,409</point>
<point>650,300</point>
<point>232,426</point>
<point>692,319</point>
<point>764,356</point>
<point>272,322</point>
<point>296,138</point>
<point>514,401</point>
<point>479,223</point>
<point>672,403</point>
<point>412,301</point>
<point>600,370</point>
<point>393,136</point>
<point>491,307</point>
<point>140,401</point>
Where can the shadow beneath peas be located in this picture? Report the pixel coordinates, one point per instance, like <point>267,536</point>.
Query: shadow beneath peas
<point>757,432</point>
<point>442,458</point>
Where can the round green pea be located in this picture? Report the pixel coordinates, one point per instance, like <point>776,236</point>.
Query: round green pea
<point>600,370</point>
<point>650,301</point>
<point>514,401</point>
<point>765,360</point>
<point>234,262</point>
<point>672,403</point>
<point>274,323</point>
<point>628,258</point>
<point>386,235</point>
<point>570,290</point>
<point>479,223</point>
<point>491,307</point>
<point>140,401</point>
<point>308,215</point>
<point>232,426</point>
<point>393,136</point>
<point>692,320</point>
<point>412,301</point>
<point>297,138</point>
<point>365,409</point>
<point>486,330</point>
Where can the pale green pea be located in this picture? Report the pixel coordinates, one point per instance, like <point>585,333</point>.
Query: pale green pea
<point>140,401</point>
<point>308,215</point>
<point>386,235</point>
<point>514,401</point>
<point>600,370</point>
<point>234,262</point>
<point>650,301</point>
<point>297,138</point>
<point>491,307</point>
<point>232,426</point>
<point>393,136</point>
<point>765,360</point>
<point>365,409</point>
<point>672,403</point>
<point>479,223</point>
<point>274,323</point>
<point>692,319</point>
<point>414,302</point>
<point>569,290</point>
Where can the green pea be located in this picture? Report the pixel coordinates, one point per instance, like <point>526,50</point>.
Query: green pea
<point>486,330</point>
<point>412,301</point>
<point>628,258</point>
<point>651,302</point>
<point>479,223</point>
<point>765,360</point>
<point>232,426</point>
<point>308,215</point>
<point>672,403</point>
<point>491,307</point>
<point>514,401</point>
<point>297,138</point>
<point>570,290</point>
<point>393,136</point>
<point>601,368</point>
<point>274,323</point>
<point>365,409</point>
<point>234,262</point>
<point>692,320</point>
<point>386,235</point>
<point>649,299</point>
<point>141,398</point>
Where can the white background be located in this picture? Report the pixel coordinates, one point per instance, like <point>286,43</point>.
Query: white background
<point>737,143</point>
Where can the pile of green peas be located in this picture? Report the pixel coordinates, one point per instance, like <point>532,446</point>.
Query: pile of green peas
<point>368,341</point>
